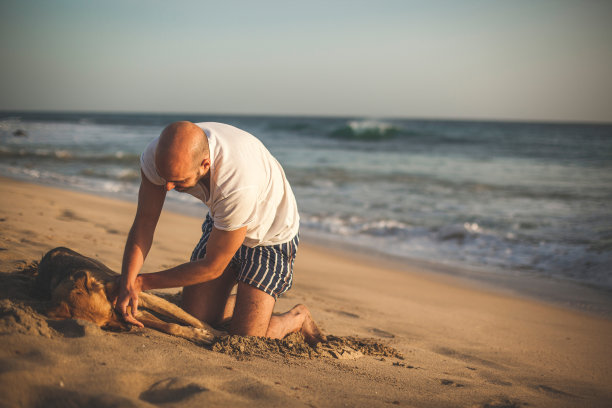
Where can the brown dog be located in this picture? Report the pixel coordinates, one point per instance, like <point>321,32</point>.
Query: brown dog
<point>80,287</point>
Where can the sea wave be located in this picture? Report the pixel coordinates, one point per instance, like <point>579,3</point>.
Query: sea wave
<point>366,130</point>
<point>92,183</point>
<point>10,123</point>
<point>119,174</point>
<point>67,155</point>
<point>390,228</point>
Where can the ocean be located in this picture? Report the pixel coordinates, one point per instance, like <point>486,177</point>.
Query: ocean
<point>497,196</point>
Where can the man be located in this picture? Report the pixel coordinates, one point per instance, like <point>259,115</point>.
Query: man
<point>250,235</point>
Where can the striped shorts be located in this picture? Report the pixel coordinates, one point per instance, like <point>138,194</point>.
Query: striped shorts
<point>267,268</point>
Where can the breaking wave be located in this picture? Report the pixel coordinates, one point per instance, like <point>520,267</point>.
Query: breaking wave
<point>366,130</point>
<point>65,155</point>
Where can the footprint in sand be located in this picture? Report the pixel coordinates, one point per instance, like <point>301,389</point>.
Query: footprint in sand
<point>381,333</point>
<point>553,392</point>
<point>254,390</point>
<point>171,390</point>
<point>450,383</point>
<point>343,313</point>
<point>466,357</point>
<point>496,381</point>
<point>502,402</point>
<point>69,215</point>
<point>108,229</point>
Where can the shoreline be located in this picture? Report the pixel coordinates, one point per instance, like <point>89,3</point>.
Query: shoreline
<point>561,292</point>
<point>571,294</point>
<point>464,345</point>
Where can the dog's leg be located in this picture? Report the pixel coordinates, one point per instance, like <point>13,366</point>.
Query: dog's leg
<point>165,308</point>
<point>195,334</point>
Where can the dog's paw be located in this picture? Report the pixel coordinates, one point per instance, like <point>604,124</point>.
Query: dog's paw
<point>202,336</point>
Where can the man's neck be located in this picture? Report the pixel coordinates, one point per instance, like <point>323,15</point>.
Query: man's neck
<point>205,181</point>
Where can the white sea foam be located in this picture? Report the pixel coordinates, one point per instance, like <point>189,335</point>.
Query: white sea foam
<point>361,126</point>
<point>62,154</point>
<point>10,124</point>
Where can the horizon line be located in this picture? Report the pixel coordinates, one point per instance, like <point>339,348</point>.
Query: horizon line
<point>330,116</point>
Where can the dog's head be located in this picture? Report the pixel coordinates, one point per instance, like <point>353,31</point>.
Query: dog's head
<point>81,296</point>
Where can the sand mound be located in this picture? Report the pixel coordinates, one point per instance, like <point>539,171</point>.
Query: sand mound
<point>294,346</point>
<point>18,318</point>
<point>243,346</point>
<point>19,312</point>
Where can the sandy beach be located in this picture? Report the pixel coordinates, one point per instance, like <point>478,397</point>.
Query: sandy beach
<point>463,345</point>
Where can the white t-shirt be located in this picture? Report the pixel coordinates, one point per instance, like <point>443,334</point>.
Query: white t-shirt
<point>248,186</point>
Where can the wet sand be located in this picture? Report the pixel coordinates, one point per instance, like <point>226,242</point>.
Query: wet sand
<point>463,345</point>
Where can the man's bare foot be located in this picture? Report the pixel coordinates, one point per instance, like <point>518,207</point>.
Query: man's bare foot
<point>298,319</point>
<point>311,332</point>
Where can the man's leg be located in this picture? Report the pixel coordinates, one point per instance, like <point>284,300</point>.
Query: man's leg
<point>253,317</point>
<point>210,301</point>
<point>252,311</point>
<point>207,301</point>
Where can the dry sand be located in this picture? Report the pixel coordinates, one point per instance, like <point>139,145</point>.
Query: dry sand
<point>463,346</point>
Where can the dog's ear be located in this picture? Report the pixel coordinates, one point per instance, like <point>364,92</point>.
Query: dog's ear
<point>93,284</point>
<point>61,311</point>
<point>84,281</point>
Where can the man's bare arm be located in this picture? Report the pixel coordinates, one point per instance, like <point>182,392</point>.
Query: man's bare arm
<point>220,248</point>
<point>150,202</point>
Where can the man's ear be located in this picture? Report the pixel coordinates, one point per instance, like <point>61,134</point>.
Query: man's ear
<point>205,165</point>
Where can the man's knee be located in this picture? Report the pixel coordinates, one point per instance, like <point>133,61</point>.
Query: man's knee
<point>252,312</point>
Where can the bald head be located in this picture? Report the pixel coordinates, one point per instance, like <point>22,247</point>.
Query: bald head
<point>181,148</point>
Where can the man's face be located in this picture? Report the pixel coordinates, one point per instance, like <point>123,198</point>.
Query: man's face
<point>183,180</point>
<point>182,185</point>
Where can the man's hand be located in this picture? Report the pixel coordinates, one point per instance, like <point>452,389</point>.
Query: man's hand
<point>127,301</point>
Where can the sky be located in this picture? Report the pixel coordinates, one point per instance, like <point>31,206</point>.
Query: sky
<point>545,60</point>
